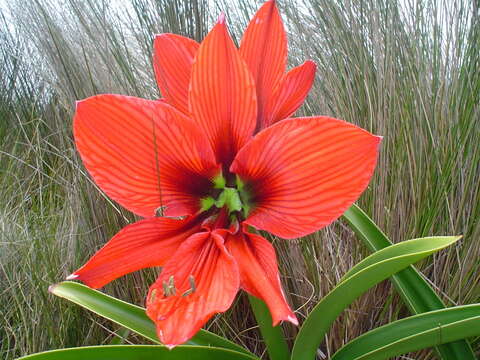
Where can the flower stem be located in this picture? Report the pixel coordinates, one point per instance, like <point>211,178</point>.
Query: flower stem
<point>273,335</point>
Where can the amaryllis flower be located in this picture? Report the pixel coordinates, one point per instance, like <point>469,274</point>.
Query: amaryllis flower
<point>220,156</point>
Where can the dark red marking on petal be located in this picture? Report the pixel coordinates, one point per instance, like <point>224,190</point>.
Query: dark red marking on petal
<point>222,95</point>
<point>304,173</point>
<point>144,154</point>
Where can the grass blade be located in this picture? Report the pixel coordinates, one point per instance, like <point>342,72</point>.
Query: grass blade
<point>413,289</point>
<point>369,272</point>
<point>129,316</point>
<point>135,352</point>
<point>414,333</point>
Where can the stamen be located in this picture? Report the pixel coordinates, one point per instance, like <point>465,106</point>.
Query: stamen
<point>166,290</point>
<point>171,285</point>
<point>169,288</point>
<point>188,292</point>
<point>191,280</point>
<point>153,295</point>
<point>193,288</point>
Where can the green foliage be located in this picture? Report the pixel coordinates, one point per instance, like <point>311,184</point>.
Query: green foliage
<point>414,333</point>
<point>415,292</point>
<point>135,352</point>
<point>375,268</point>
<point>127,315</point>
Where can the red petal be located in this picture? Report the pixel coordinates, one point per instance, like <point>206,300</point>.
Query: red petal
<point>259,276</point>
<point>264,48</point>
<point>146,243</point>
<point>222,94</point>
<point>178,317</point>
<point>172,61</point>
<point>304,173</point>
<point>291,92</point>
<point>132,147</point>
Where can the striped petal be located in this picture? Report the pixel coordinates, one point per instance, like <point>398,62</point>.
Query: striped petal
<point>290,94</point>
<point>146,243</point>
<point>259,276</point>
<point>200,280</point>
<point>222,94</point>
<point>264,48</point>
<point>144,154</point>
<point>304,173</point>
<point>172,61</point>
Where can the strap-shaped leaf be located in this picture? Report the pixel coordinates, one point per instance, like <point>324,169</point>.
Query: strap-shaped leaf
<point>136,352</point>
<point>371,271</point>
<point>414,333</point>
<point>130,316</point>
<point>415,292</point>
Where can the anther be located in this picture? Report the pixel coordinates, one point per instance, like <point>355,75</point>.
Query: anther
<point>153,295</point>
<point>169,288</point>
<point>191,280</point>
<point>192,289</point>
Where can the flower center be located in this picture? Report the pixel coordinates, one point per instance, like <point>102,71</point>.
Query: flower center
<point>235,199</point>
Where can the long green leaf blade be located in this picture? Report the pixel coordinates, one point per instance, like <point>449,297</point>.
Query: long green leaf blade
<point>273,336</point>
<point>129,316</point>
<point>327,310</point>
<point>414,333</point>
<point>416,293</point>
<point>137,352</point>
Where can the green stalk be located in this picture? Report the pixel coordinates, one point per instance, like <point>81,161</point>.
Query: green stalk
<point>273,335</point>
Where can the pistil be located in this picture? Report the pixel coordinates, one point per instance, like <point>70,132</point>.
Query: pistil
<point>235,199</point>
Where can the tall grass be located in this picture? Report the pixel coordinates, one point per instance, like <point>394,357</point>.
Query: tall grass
<point>407,70</point>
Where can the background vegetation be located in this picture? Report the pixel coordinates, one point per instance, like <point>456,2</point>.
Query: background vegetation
<point>408,70</point>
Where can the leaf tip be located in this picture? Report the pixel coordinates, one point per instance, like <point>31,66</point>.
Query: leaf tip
<point>51,288</point>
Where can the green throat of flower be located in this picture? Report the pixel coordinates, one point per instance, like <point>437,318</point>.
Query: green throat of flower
<point>235,199</point>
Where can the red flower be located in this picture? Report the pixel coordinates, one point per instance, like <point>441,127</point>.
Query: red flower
<point>214,151</point>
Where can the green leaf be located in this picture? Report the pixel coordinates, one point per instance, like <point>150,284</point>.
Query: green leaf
<point>273,335</point>
<point>129,316</point>
<point>369,272</point>
<point>414,333</point>
<point>415,292</point>
<point>139,352</point>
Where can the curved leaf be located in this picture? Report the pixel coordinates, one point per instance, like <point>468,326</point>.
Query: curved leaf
<point>414,333</point>
<point>416,293</point>
<point>367,273</point>
<point>129,316</point>
<point>137,352</point>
